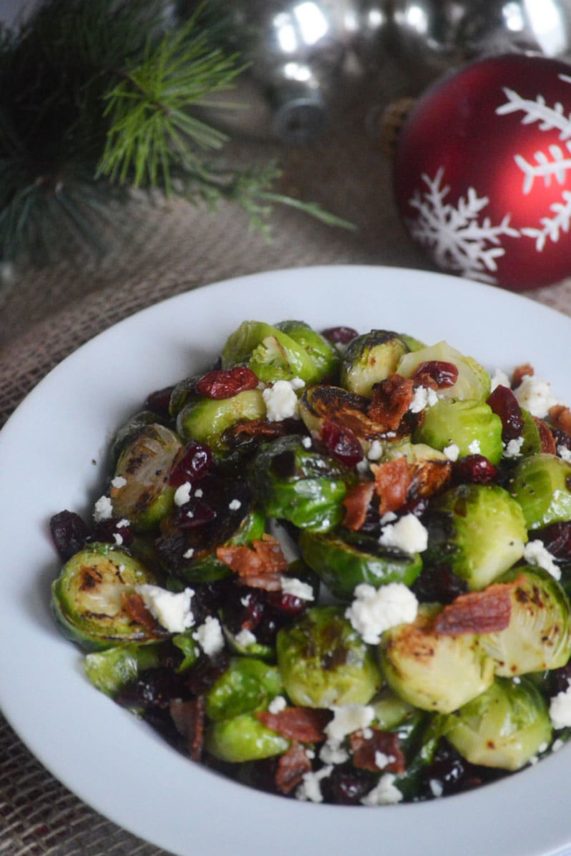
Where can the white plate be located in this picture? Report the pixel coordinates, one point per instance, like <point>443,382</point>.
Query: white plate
<point>47,454</point>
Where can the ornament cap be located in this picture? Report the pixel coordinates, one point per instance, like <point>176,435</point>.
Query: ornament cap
<point>388,124</point>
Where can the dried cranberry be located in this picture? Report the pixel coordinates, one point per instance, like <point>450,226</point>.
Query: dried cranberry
<point>194,514</point>
<point>192,465</point>
<point>475,469</point>
<point>341,444</point>
<point>436,374</point>
<point>453,773</point>
<point>244,609</point>
<point>505,405</point>
<point>438,585</point>
<point>289,604</point>
<point>159,401</point>
<point>267,629</point>
<point>557,539</point>
<point>340,335</point>
<point>208,598</point>
<point>347,786</point>
<point>153,688</point>
<point>559,680</point>
<point>111,532</point>
<point>205,672</point>
<point>69,533</point>
<point>562,438</point>
<point>225,384</point>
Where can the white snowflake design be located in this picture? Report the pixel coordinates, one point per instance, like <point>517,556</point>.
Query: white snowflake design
<point>555,164</point>
<point>457,238</point>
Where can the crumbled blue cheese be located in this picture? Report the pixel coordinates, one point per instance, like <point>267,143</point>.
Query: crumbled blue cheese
<point>349,718</point>
<point>560,709</point>
<point>199,493</point>
<point>436,787</point>
<point>499,378</point>
<point>118,482</point>
<point>512,449</point>
<point>423,397</point>
<point>310,788</point>
<point>306,442</point>
<point>234,505</point>
<point>382,760</point>
<point>452,452</point>
<point>244,638</point>
<point>188,554</point>
<point>557,745</point>
<point>277,704</point>
<point>375,451</point>
<point>118,539</point>
<point>564,453</point>
<point>171,610</point>
<point>281,400</point>
<point>209,636</point>
<point>375,610</point>
<point>103,509</point>
<point>182,494</point>
<point>385,792</point>
<point>535,553</point>
<point>123,523</point>
<point>297,588</point>
<point>474,448</point>
<point>407,534</point>
<point>333,753</point>
<point>388,517</point>
<point>363,467</point>
<point>535,395</point>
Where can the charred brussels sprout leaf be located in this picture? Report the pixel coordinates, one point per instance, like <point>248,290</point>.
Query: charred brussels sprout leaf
<point>88,597</point>
<point>478,531</point>
<point>542,486</point>
<point>371,358</point>
<point>470,425</point>
<point>324,662</point>
<point>270,353</point>
<point>433,671</point>
<point>243,738</point>
<point>246,685</point>
<point>345,560</point>
<point>205,420</point>
<point>473,380</point>
<point>505,727</point>
<point>321,404</point>
<point>323,354</point>
<point>299,485</point>
<point>128,432</point>
<point>114,668</point>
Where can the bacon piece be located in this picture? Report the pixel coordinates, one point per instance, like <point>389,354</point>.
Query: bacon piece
<point>485,611</point>
<point>399,482</point>
<point>561,417</point>
<point>258,566</point>
<point>518,374</point>
<point>188,717</point>
<point>297,723</point>
<point>259,428</point>
<point>546,438</point>
<point>391,400</point>
<point>356,503</point>
<point>291,767</point>
<point>364,750</point>
<point>134,606</point>
<point>428,478</point>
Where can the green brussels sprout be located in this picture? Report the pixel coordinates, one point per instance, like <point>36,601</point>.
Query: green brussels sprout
<point>322,352</point>
<point>433,671</point>
<point>127,433</point>
<point>391,710</point>
<point>87,597</point>
<point>206,419</point>
<point>270,353</point>
<point>478,531</point>
<point>246,649</point>
<point>537,636</point>
<point>246,685</point>
<point>530,433</point>
<point>470,425</point>
<point>324,662</point>
<point>109,671</point>
<point>371,358</point>
<point>322,403</point>
<point>299,485</point>
<point>411,342</point>
<point>144,465</point>
<point>345,560</point>
<point>243,738</point>
<point>190,650</point>
<point>204,567</point>
<point>183,393</point>
<point>541,484</point>
<point>415,453</point>
<point>505,727</point>
<point>473,380</point>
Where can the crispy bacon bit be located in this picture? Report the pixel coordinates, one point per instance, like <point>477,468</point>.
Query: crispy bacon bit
<point>258,566</point>
<point>391,400</point>
<point>399,482</point>
<point>518,374</point>
<point>485,611</point>
<point>297,723</point>
<point>291,767</point>
<point>546,438</point>
<point>188,717</point>
<point>356,503</point>
<point>134,606</point>
<point>365,749</point>
<point>561,417</point>
<point>259,428</point>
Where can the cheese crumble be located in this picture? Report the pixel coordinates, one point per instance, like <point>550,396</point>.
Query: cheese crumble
<point>535,395</point>
<point>385,792</point>
<point>407,534</point>
<point>103,509</point>
<point>535,553</point>
<point>297,588</point>
<point>375,610</point>
<point>209,636</point>
<point>281,400</point>
<point>560,709</point>
<point>171,610</point>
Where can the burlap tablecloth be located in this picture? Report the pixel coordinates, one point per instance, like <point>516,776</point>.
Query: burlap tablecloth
<point>45,315</point>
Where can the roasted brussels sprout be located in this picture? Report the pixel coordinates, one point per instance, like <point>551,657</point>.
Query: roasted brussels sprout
<point>88,597</point>
<point>433,671</point>
<point>478,531</point>
<point>321,404</point>
<point>144,466</point>
<point>299,485</point>
<point>530,433</point>
<point>391,710</point>
<point>473,380</point>
<point>246,685</point>
<point>415,453</point>
<point>112,669</point>
<point>323,661</point>
<point>270,353</point>
<point>505,727</point>
<point>371,358</point>
<point>322,352</point>
<point>541,485</point>
<point>243,738</point>
<point>537,637</point>
<point>346,559</point>
<point>206,419</point>
<point>127,433</point>
<point>470,425</point>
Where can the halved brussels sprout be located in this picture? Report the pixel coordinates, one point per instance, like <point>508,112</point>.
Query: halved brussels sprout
<point>371,358</point>
<point>88,597</point>
<point>299,485</point>
<point>412,343</point>
<point>391,710</point>
<point>270,353</point>
<point>323,403</point>
<point>109,671</point>
<point>127,433</point>
<point>433,671</point>
<point>470,425</point>
<point>322,352</point>
<point>183,393</point>
<point>144,465</point>
<point>530,434</point>
<point>324,662</point>
<point>478,531</point>
<point>345,560</point>
<point>505,727</point>
<point>246,685</point>
<point>243,738</point>
<point>206,419</point>
<point>473,380</point>
<point>415,453</point>
<point>541,485</point>
<point>537,637</point>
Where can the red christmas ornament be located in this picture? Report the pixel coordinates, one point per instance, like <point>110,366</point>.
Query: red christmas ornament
<point>483,171</point>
